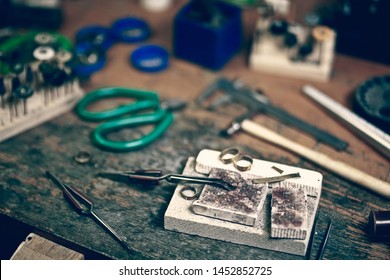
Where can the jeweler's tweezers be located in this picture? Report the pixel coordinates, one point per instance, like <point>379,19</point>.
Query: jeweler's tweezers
<point>374,136</point>
<point>84,206</point>
<point>153,177</point>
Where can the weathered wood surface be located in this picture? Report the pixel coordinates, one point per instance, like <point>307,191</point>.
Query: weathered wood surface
<point>136,213</point>
<point>36,247</point>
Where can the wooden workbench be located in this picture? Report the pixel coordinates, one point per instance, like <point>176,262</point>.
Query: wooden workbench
<point>27,196</point>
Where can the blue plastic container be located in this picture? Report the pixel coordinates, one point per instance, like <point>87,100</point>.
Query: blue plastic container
<point>150,58</point>
<point>130,30</point>
<point>200,43</point>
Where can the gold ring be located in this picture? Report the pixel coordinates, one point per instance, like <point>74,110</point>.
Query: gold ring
<point>228,155</point>
<point>243,162</point>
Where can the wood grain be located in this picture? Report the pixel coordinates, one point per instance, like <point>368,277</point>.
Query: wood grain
<point>36,247</point>
<point>137,213</point>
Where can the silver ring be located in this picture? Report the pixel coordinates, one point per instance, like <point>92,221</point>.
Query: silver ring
<point>189,193</point>
<point>82,157</point>
<point>243,162</point>
<point>228,155</point>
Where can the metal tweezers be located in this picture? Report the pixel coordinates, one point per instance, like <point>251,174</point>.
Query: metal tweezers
<point>153,177</point>
<point>84,206</point>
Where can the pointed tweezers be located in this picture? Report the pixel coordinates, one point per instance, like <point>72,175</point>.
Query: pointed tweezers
<point>153,177</point>
<point>84,206</point>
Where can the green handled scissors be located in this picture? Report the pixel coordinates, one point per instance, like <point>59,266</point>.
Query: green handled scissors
<point>125,116</point>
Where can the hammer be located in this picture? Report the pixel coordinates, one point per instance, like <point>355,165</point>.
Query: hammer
<point>340,168</point>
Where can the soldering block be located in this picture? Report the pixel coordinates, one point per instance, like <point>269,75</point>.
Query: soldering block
<point>180,217</point>
<point>288,211</point>
<point>240,205</point>
<point>268,57</point>
<point>309,180</point>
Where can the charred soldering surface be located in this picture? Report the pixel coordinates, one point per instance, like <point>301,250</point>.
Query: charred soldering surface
<point>241,205</point>
<point>289,212</point>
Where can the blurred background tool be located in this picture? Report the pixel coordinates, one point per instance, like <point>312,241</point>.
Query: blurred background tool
<point>255,102</point>
<point>379,225</point>
<point>374,136</point>
<point>372,101</point>
<point>124,116</point>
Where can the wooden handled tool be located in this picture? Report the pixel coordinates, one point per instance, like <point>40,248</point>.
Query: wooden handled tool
<point>357,176</point>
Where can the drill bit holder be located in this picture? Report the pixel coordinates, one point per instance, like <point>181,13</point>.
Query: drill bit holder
<point>36,81</point>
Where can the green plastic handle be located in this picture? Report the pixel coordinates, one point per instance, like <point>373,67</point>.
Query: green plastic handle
<point>144,100</point>
<point>161,119</point>
<point>123,117</point>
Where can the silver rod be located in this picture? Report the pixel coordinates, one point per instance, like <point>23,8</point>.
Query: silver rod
<point>322,250</point>
<point>371,134</point>
<point>276,178</point>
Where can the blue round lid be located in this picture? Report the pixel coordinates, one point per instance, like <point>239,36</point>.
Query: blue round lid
<point>150,58</point>
<point>95,35</point>
<point>130,30</point>
<point>90,60</point>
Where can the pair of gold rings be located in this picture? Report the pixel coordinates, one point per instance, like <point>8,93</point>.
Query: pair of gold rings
<point>240,162</point>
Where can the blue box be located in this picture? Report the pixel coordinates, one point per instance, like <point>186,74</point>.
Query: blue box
<point>204,44</point>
